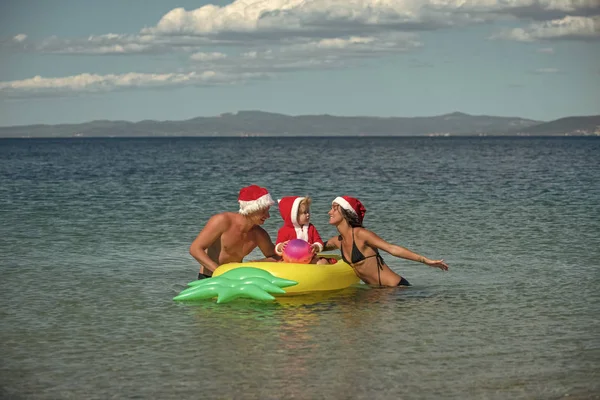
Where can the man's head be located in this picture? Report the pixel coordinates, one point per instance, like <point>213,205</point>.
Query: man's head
<point>255,200</point>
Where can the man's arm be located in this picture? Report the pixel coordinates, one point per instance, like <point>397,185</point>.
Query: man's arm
<point>211,232</point>
<point>266,246</point>
<point>283,236</point>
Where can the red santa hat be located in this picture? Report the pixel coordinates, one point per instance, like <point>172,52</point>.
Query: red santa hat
<point>254,198</point>
<point>288,208</point>
<point>352,205</point>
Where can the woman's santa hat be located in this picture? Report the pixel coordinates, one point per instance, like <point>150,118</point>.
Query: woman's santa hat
<point>352,205</point>
<point>254,198</point>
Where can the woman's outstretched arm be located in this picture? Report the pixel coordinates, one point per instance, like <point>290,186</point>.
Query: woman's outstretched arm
<point>398,251</point>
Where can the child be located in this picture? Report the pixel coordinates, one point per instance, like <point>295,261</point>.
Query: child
<point>295,212</point>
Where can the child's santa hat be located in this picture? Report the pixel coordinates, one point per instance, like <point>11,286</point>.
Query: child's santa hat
<point>254,198</point>
<point>352,205</point>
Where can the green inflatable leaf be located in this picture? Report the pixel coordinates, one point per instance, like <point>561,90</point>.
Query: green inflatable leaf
<point>250,291</point>
<point>249,272</point>
<point>246,282</point>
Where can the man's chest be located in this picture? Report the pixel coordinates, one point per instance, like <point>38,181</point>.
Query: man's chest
<point>238,242</point>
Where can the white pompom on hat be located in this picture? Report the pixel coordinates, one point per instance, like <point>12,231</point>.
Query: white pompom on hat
<point>352,205</point>
<point>254,198</point>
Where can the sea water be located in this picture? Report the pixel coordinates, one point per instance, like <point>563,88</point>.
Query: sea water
<point>94,238</point>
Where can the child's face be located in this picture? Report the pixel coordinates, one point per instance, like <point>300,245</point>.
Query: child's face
<point>303,214</point>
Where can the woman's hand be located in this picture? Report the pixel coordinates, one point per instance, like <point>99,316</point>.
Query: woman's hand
<point>314,248</point>
<point>436,264</point>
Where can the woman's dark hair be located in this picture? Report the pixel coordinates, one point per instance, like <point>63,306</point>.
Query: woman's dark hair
<point>350,218</point>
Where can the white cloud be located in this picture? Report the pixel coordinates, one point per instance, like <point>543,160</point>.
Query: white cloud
<point>120,44</point>
<point>200,56</point>
<point>357,44</point>
<point>298,16</point>
<point>294,64</point>
<point>546,50</point>
<point>331,15</point>
<point>257,64</point>
<point>93,82</point>
<point>565,28</point>
<point>337,43</point>
<point>266,36</point>
<point>112,49</point>
<point>257,23</point>
<point>21,37</point>
<point>322,54</point>
<point>546,71</point>
<point>527,9</point>
<point>90,83</point>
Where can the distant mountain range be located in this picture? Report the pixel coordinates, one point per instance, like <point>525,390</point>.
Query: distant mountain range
<point>258,123</point>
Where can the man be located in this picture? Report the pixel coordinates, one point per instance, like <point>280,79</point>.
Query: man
<point>229,237</point>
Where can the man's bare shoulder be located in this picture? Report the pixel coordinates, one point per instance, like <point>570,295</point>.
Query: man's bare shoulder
<point>225,215</point>
<point>224,219</point>
<point>259,230</point>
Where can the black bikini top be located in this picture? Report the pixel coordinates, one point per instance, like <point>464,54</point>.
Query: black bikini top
<point>356,255</point>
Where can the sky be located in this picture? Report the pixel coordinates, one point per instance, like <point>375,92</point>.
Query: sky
<point>72,61</point>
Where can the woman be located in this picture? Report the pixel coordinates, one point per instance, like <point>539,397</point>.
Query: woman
<point>360,247</point>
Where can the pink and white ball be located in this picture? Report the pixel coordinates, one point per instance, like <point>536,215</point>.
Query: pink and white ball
<point>298,251</point>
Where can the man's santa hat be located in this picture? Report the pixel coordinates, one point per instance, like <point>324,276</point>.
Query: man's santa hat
<point>352,205</point>
<point>254,198</point>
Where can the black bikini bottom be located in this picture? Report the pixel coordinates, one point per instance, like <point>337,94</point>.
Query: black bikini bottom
<point>403,282</point>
